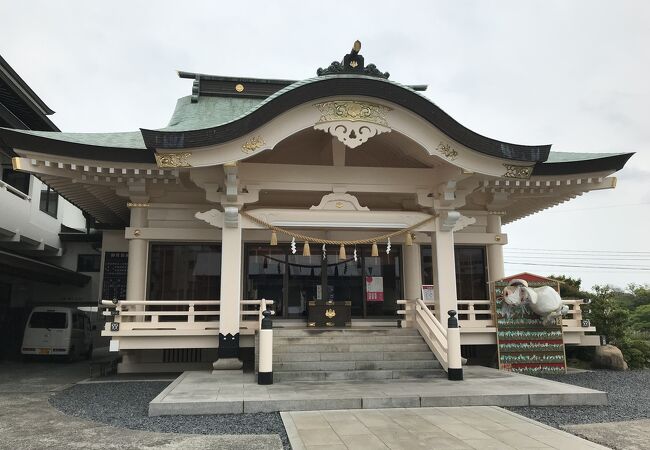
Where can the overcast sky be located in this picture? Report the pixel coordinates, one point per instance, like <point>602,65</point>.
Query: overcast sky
<point>575,74</point>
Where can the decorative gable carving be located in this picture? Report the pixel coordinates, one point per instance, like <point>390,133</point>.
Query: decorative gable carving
<point>352,122</point>
<point>339,202</point>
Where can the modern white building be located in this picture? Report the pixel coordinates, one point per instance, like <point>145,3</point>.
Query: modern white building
<point>47,255</point>
<point>345,188</point>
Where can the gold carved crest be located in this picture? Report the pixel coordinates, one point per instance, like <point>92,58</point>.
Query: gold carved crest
<point>353,111</point>
<point>173,159</point>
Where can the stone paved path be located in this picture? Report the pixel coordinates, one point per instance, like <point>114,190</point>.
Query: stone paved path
<point>473,427</point>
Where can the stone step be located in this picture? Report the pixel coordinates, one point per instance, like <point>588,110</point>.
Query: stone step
<point>340,375</point>
<point>347,339</point>
<point>305,332</point>
<point>353,356</point>
<point>355,365</point>
<point>347,348</point>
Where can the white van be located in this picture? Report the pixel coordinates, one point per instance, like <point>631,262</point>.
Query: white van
<point>57,331</point>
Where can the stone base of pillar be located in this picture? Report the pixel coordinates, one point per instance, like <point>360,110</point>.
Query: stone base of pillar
<point>228,345</point>
<point>225,364</point>
<point>228,353</point>
<point>265,378</point>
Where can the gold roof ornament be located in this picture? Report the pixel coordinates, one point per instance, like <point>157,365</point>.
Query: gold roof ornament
<point>353,62</point>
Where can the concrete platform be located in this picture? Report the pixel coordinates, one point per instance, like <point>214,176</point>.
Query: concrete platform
<point>235,393</point>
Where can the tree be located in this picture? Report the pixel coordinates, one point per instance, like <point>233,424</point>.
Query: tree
<point>569,287</point>
<point>641,294</point>
<point>607,315</point>
<point>641,318</point>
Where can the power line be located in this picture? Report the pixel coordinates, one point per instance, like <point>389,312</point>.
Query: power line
<point>629,268</point>
<point>589,258</point>
<point>609,252</point>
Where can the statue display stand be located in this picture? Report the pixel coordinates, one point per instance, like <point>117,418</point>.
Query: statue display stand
<point>527,342</point>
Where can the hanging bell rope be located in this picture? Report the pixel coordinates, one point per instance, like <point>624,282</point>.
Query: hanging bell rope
<point>315,240</point>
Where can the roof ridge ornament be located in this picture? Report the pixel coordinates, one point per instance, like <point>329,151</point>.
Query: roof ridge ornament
<point>352,63</point>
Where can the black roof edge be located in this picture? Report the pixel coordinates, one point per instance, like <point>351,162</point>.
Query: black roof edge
<point>25,92</point>
<point>16,139</point>
<point>205,76</point>
<point>608,163</point>
<point>358,86</point>
<point>50,273</point>
<point>283,83</point>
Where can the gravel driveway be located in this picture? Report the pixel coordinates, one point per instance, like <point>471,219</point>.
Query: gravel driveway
<point>622,425</point>
<point>629,399</point>
<point>125,404</point>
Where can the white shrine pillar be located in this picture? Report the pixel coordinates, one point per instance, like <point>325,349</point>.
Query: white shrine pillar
<point>137,262</point>
<point>412,272</point>
<point>230,307</point>
<point>496,269</point>
<point>444,266</point>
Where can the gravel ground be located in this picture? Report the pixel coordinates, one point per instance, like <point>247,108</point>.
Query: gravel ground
<point>126,405</point>
<point>629,399</point>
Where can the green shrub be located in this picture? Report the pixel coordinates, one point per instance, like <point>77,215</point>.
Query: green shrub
<point>636,353</point>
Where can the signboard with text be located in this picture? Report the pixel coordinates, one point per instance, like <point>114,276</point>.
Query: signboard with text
<point>427,293</point>
<point>115,270</point>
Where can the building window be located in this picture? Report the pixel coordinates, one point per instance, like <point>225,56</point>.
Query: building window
<point>15,179</point>
<point>49,201</point>
<point>471,271</point>
<point>185,272</point>
<point>88,263</point>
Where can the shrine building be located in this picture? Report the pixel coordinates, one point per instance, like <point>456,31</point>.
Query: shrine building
<point>337,201</point>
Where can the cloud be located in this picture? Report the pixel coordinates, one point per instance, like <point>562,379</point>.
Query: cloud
<point>569,73</point>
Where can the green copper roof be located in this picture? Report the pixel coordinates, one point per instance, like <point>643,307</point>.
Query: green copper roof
<point>211,112</point>
<point>561,157</point>
<point>128,139</point>
<point>208,112</point>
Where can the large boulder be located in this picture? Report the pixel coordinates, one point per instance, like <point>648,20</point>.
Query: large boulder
<point>609,357</point>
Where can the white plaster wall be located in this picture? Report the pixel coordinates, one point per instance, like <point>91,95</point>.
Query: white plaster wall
<point>27,220</point>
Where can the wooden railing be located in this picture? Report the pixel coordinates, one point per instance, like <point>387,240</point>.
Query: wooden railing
<point>431,330</point>
<point>574,317</point>
<point>192,316</point>
<point>480,313</point>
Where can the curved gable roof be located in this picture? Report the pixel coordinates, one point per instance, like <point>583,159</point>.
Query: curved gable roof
<point>214,120</point>
<point>341,85</point>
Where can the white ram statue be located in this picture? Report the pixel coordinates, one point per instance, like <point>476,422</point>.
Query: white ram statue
<point>543,301</point>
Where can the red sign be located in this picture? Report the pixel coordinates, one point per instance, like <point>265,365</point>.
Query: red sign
<point>375,289</point>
